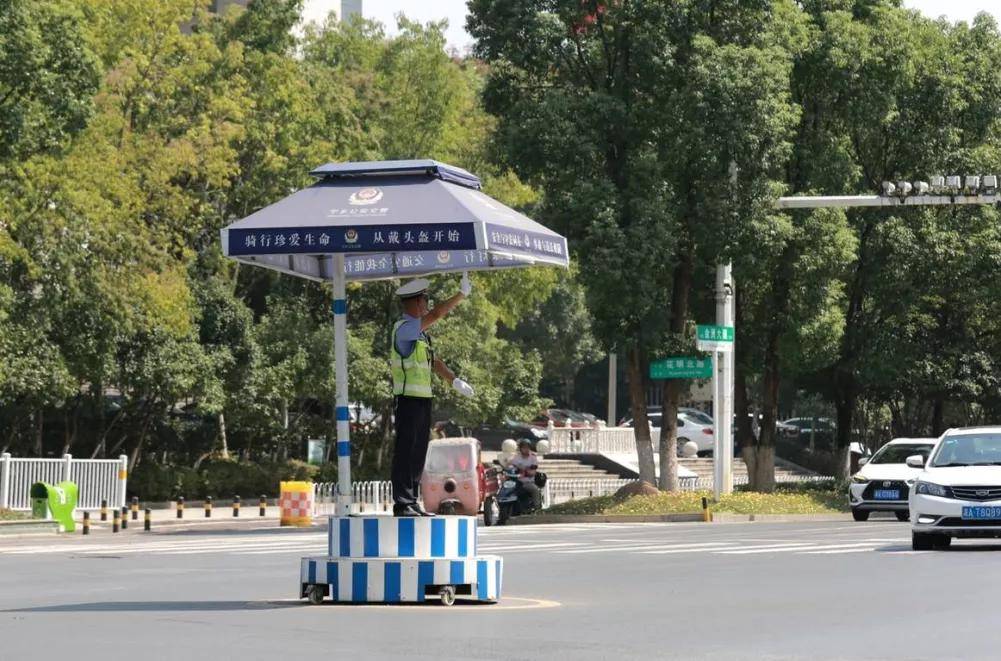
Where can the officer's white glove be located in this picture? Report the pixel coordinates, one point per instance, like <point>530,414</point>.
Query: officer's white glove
<point>465,286</point>
<point>463,388</point>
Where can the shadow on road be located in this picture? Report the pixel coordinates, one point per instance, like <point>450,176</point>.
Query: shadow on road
<point>163,606</point>
<point>951,549</point>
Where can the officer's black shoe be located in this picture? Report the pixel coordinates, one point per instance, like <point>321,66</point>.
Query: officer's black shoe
<point>406,510</point>
<point>423,512</point>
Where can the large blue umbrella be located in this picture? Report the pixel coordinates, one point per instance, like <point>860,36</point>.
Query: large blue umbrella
<point>386,219</point>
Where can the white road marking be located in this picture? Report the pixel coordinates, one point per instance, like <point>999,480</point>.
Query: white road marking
<point>773,548</point>
<point>527,547</point>
<point>644,548</point>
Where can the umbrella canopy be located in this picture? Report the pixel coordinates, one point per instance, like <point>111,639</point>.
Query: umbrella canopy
<point>377,220</point>
<point>391,219</point>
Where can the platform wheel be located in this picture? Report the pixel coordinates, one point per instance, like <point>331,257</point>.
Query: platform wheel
<point>447,594</point>
<point>315,594</point>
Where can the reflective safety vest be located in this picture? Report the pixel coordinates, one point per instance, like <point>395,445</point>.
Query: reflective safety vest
<point>412,375</point>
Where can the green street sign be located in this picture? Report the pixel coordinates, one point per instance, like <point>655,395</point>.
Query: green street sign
<point>714,338</point>
<point>682,367</point>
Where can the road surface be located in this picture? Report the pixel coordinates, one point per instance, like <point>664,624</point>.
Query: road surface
<point>839,590</point>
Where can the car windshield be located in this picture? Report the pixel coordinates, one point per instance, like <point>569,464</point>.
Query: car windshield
<point>699,417</point>
<point>968,450</point>
<point>898,454</point>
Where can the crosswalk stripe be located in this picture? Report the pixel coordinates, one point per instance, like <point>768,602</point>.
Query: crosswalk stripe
<point>703,548</point>
<point>154,547</point>
<point>774,548</point>
<point>526,547</point>
<point>842,550</point>
<point>643,548</point>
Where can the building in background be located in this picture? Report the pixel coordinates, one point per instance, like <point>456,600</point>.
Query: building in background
<point>220,6</point>
<point>312,9</point>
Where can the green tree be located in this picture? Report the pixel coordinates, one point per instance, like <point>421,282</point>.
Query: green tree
<point>48,77</point>
<point>628,115</point>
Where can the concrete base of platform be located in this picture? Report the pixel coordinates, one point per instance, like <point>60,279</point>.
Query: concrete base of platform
<point>401,580</point>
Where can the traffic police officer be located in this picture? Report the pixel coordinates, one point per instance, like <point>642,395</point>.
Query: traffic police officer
<point>412,362</point>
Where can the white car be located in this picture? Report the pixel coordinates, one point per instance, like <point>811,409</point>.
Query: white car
<point>689,429</point>
<point>958,494</point>
<point>883,482</point>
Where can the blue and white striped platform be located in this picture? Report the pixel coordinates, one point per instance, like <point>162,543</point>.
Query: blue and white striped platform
<point>402,537</point>
<point>385,559</point>
<point>403,580</point>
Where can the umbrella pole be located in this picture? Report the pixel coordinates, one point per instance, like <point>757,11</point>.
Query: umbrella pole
<point>341,383</point>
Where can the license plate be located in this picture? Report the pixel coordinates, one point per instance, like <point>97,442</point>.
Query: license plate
<point>887,494</point>
<point>981,513</point>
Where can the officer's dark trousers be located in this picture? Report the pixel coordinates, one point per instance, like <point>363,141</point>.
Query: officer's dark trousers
<point>413,431</point>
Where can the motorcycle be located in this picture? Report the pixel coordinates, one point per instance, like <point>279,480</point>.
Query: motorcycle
<point>512,498</point>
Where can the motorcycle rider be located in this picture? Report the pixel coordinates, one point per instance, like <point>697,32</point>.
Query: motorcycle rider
<point>527,464</point>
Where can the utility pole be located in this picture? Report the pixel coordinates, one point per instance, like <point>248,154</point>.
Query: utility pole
<point>723,369</point>
<point>612,388</point>
<point>723,388</point>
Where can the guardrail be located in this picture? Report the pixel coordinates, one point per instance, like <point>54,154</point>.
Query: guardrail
<point>591,440</point>
<point>96,479</point>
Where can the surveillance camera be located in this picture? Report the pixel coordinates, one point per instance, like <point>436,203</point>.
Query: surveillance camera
<point>990,184</point>
<point>904,188</point>
<point>972,183</point>
<point>953,183</point>
<point>938,184</point>
<point>888,188</point>
<point>921,188</point>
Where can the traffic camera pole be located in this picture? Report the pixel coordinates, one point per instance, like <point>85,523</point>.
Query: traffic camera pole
<point>723,388</point>
<point>943,191</point>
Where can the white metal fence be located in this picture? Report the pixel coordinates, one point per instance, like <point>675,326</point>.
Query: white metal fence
<point>377,496</point>
<point>591,440</point>
<point>96,479</point>
<point>562,491</point>
<point>367,497</point>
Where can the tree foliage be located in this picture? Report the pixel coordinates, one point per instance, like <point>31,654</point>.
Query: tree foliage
<point>143,128</point>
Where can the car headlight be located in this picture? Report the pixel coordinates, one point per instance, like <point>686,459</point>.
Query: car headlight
<point>860,479</point>
<point>932,489</point>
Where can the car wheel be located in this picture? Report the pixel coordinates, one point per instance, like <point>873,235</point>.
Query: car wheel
<point>860,515</point>
<point>903,516</point>
<point>941,542</point>
<point>922,541</point>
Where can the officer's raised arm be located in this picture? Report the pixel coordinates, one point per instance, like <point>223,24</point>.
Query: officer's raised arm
<point>446,306</point>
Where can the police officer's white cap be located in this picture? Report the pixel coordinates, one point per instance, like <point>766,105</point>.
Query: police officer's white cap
<point>413,288</point>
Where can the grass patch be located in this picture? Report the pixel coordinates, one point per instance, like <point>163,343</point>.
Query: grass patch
<point>11,515</point>
<point>784,501</point>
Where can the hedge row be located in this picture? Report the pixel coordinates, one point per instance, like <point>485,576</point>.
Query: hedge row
<point>221,479</point>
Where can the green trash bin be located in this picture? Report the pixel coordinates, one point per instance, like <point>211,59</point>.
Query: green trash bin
<point>39,500</point>
<point>57,500</point>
